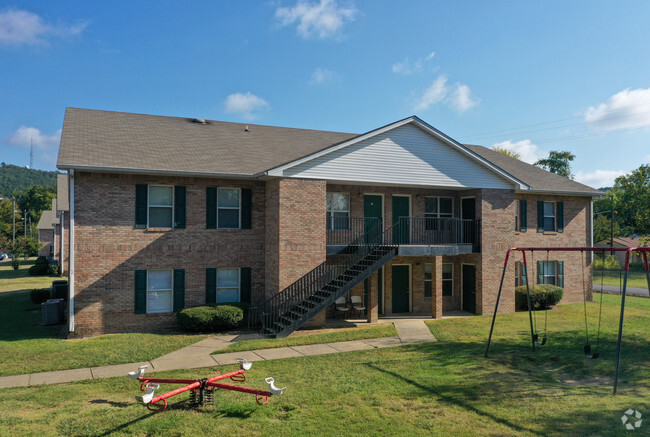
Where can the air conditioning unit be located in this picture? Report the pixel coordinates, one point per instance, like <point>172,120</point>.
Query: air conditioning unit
<point>51,311</point>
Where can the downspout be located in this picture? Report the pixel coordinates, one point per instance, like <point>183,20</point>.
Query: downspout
<point>591,231</point>
<point>62,243</point>
<point>71,266</point>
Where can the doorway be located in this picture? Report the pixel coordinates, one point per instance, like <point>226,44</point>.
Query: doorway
<point>469,288</point>
<point>401,288</point>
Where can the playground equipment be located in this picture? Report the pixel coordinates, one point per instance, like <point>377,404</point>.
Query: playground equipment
<point>201,390</point>
<point>534,337</point>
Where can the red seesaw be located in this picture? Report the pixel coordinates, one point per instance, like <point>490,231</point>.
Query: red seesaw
<point>201,390</point>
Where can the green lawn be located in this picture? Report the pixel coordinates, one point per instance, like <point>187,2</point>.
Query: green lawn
<point>635,279</point>
<point>11,280</point>
<point>443,388</point>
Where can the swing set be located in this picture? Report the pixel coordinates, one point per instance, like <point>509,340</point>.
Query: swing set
<point>534,334</point>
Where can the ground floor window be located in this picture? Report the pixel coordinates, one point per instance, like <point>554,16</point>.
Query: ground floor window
<point>228,285</point>
<point>520,275</point>
<point>428,276</point>
<point>550,272</point>
<point>159,291</point>
<point>448,280</point>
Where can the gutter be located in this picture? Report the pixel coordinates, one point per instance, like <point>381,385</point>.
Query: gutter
<point>71,262</point>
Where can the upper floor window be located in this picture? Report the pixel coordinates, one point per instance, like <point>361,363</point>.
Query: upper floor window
<point>436,208</point>
<point>338,211</point>
<point>161,206</point>
<point>550,216</point>
<point>228,208</point>
<point>521,215</point>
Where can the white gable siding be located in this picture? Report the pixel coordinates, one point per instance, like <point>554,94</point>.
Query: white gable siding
<point>405,155</point>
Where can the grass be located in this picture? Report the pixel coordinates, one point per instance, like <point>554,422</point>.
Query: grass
<point>12,280</point>
<point>386,330</point>
<point>635,279</point>
<point>443,388</point>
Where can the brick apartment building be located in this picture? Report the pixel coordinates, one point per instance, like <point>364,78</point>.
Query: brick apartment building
<point>165,213</point>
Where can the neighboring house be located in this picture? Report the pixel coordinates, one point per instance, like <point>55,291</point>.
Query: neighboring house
<point>626,243</point>
<point>47,232</point>
<point>169,212</point>
<point>61,251</point>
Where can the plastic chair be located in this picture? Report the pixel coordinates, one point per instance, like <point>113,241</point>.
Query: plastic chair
<point>341,306</point>
<point>357,304</point>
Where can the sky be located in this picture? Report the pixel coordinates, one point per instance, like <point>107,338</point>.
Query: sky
<point>531,77</point>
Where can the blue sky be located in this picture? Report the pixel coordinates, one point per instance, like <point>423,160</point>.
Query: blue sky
<point>530,76</point>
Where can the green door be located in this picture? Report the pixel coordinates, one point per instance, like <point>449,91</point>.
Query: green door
<point>469,288</point>
<point>372,208</point>
<point>401,280</point>
<point>401,208</point>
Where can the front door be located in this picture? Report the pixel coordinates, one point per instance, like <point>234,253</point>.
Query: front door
<point>372,213</point>
<point>401,208</point>
<point>401,282</point>
<point>469,288</point>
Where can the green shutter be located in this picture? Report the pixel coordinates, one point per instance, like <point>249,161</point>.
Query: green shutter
<point>540,272</point>
<point>560,216</point>
<point>141,206</point>
<point>210,285</point>
<point>179,207</point>
<point>211,207</point>
<point>140,291</point>
<point>179,289</point>
<point>246,208</point>
<point>523,215</point>
<point>245,285</point>
<point>560,274</point>
<point>540,216</point>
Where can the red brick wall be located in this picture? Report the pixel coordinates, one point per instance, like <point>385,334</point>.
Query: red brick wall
<point>46,238</point>
<point>108,249</point>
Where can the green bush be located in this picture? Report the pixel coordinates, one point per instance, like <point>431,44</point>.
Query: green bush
<point>542,296</point>
<point>53,269</point>
<point>40,295</point>
<point>41,267</point>
<point>609,263</point>
<point>211,318</point>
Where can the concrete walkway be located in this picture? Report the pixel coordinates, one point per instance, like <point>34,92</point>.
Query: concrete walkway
<point>199,355</point>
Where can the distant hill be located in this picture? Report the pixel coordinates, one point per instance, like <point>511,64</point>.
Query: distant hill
<point>14,178</point>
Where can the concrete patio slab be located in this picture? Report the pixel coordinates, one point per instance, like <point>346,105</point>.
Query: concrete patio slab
<point>278,353</point>
<point>14,381</point>
<point>117,370</point>
<point>60,376</point>
<point>315,349</point>
<point>349,346</point>
<point>231,358</point>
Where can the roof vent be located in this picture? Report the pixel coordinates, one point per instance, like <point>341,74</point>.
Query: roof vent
<point>199,120</point>
<point>246,129</point>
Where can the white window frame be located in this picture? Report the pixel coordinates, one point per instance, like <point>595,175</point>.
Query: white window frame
<point>517,213</point>
<point>519,274</point>
<point>238,269</point>
<point>555,272</point>
<point>448,280</point>
<point>554,216</point>
<point>171,292</point>
<point>229,207</point>
<point>331,212</point>
<point>438,214</point>
<point>150,205</point>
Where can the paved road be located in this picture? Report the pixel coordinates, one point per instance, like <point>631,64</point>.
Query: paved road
<point>629,291</point>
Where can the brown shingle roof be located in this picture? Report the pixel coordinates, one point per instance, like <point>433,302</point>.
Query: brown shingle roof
<point>538,179</point>
<point>48,220</point>
<point>139,142</point>
<point>62,202</point>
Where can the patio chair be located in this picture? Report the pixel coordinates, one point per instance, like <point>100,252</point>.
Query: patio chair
<point>341,306</point>
<point>357,304</point>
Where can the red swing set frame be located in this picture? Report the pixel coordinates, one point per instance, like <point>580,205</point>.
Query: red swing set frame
<point>628,252</point>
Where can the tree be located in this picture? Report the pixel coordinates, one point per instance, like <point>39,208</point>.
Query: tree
<point>557,162</point>
<point>603,228</point>
<point>631,200</point>
<point>507,152</point>
<point>35,200</point>
<point>7,219</point>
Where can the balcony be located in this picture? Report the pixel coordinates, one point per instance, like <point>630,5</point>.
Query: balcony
<point>415,236</point>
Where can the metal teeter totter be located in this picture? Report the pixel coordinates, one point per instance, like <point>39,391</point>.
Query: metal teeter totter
<point>201,390</point>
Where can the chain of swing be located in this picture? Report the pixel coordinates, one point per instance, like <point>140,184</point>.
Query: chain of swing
<point>589,353</point>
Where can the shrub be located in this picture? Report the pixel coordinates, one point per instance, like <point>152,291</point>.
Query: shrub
<point>40,295</point>
<point>542,296</point>
<point>211,318</point>
<point>609,263</point>
<point>53,269</point>
<point>41,267</point>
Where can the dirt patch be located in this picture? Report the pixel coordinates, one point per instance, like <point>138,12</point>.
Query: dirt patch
<point>588,382</point>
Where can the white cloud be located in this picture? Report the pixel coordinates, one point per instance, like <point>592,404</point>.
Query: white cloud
<point>245,104</point>
<point>598,178</point>
<point>460,97</point>
<point>528,151</point>
<point>18,27</point>
<point>24,137</point>
<point>407,67</point>
<point>626,109</point>
<point>321,76</point>
<point>324,19</point>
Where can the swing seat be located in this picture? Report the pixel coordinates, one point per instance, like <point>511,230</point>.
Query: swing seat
<point>537,342</point>
<point>588,353</point>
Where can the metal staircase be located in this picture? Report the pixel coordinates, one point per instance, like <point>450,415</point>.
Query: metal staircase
<point>292,307</point>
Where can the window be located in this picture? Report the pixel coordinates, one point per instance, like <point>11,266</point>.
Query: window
<point>550,272</point>
<point>521,215</point>
<point>550,216</point>
<point>447,279</point>
<point>161,206</point>
<point>228,285</point>
<point>338,211</point>
<point>520,275</point>
<point>435,208</point>
<point>228,208</point>
<point>159,291</point>
<point>428,280</point>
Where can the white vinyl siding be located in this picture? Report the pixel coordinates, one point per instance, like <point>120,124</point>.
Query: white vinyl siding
<point>404,155</point>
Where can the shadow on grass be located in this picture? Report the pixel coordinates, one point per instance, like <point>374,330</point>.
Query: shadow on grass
<point>21,319</point>
<point>126,425</point>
